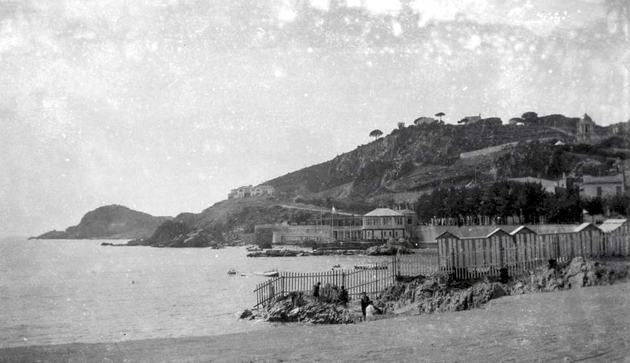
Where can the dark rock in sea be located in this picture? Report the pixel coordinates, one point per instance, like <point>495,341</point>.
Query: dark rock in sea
<point>111,222</point>
<point>387,250</point>
<point>114,244</point>
<point>244,314</point>
<point>52,235</point>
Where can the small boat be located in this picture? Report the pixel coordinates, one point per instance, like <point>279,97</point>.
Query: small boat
<point>370,267</point>
<point>231,271</point>
<point>271,273</point>
<point>253,249</point>
<point>337,266</point>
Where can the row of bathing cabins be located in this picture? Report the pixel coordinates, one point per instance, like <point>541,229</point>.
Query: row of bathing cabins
<point>486,250</point>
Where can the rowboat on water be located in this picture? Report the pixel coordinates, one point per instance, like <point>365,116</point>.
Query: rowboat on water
<point>370,267</point>
<point>270,273</point>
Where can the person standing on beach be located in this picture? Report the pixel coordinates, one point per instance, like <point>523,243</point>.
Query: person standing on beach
<point>343,296</point>
<point>369,312</point>
<point>316,291</point>
<point>365,301</point>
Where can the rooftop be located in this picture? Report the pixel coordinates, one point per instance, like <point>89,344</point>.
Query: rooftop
<point>610,225</point>
<point>588,179</point>
<point>384,212</point>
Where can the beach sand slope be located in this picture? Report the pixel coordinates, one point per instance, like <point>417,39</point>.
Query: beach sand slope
<point>587,324</point>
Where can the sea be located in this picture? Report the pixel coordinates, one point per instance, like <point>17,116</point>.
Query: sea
<point>67,291</point>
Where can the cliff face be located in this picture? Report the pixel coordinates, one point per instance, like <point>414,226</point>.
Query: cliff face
<point>411,158</point>
<point>111,222</point>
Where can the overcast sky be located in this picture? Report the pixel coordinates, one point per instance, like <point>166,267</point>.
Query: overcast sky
<point>164,106</point>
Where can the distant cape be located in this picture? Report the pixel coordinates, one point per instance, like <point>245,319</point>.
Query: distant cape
<point>111,222</point>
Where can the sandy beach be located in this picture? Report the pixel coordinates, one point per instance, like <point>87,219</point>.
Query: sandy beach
<point>588,324</point>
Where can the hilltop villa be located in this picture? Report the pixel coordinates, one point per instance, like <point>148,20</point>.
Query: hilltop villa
<point>424,120</point>
<point>249,191</point>
<point>469,120</point>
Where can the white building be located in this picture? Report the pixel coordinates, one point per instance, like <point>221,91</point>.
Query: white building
<point>249,191</point>
<point>385,223</point>
<point>602,186</point>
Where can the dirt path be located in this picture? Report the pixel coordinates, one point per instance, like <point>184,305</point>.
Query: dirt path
<point>589,324</point>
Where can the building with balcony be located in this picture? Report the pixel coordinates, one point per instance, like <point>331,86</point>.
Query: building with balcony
<point>385,224</point>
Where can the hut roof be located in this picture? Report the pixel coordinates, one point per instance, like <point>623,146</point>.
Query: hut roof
<point>610,225</point>
<point>523,229</point>
<point>584,226</point>
<point>475,231</point>
<point>497,231</point>
<point>446,234</point>
<point>553,228</point>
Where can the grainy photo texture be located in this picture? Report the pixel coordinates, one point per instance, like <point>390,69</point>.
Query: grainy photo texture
<point>314,180</point>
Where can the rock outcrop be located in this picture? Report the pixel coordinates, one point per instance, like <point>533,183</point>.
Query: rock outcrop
<point>245,314</point>
<point>111,222</point>
<point>178,234</point>
<point>578,273</point>
<point>314,312</point>
<point>440,293</point>
<point>293,308</point>
<point>387,250</point>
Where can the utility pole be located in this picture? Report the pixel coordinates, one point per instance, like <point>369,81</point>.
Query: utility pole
<point>332,222</point>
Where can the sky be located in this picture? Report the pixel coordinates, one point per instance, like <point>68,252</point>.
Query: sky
<point>164,106</point>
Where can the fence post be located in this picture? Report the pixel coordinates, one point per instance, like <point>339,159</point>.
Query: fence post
<point>282,286</point>
<point>376,278</point>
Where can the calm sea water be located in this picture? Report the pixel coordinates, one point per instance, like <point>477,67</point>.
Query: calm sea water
<point>64,291</point>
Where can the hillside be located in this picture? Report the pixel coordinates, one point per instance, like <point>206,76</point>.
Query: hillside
<point>111,222</point>
<point>400,167</point>
<point>415,158</point>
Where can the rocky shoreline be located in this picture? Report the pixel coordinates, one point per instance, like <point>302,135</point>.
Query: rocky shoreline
<point>384,250</point>
<point>441,293</point>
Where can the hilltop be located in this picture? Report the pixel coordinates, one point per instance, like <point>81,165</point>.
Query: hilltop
<point>419,158</point>
<point>111,222</point>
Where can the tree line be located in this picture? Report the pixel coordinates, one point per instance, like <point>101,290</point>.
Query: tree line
<point>527,201</point>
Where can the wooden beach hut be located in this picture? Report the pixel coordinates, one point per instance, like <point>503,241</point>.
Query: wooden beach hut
<point>616,237</point>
